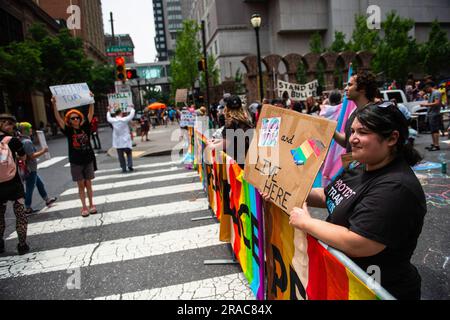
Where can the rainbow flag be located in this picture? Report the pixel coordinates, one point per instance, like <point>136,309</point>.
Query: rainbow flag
<point>308,148</point>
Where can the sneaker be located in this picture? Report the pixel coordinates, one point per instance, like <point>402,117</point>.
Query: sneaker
<point>2,246</point>
<point>434,148</point>
<point>50,201</point>
<point>124,171</point>
<point>130,168</point>
<point>29,211</point>
<point>23,249</point>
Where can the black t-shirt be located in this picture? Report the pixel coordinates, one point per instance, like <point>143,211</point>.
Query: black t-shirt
<point>388,206</point>
<point>236,141</point>
<point>80,149</point>
<point>13,189</point>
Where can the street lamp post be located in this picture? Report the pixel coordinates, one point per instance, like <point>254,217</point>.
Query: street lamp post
<point>256,23</point>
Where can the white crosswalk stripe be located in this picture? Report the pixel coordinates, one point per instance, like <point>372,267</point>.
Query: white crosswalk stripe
<point>109,251</point>
<point>51,162</point>
<point>227,287</point>
<point>126,196</point>
<point>144,166</point>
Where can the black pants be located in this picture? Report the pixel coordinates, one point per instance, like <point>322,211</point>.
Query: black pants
<point>96,140</point>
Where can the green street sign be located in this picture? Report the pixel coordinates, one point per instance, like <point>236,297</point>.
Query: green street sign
<point>115,49</point>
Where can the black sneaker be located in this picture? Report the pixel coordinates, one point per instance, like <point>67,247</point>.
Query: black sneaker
<point>2,246</point>
<point>434,148</point>
<point>22,249</point>
<point>29,211</point>
<point>50,201</point>
<point>131,169</point>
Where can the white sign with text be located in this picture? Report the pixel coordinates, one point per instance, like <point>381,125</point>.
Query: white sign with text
<point>72,95</point>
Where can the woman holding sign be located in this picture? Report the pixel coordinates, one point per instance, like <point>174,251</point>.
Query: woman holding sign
<point>377,206</point>
<point>81,155</point>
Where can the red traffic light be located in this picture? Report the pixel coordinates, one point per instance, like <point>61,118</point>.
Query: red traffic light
<point>120,61</point>
<point>132,74</point>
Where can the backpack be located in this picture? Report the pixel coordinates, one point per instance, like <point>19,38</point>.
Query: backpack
<point>8,166</point>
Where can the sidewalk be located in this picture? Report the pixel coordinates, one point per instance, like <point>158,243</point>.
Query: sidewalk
<point>162,141</point>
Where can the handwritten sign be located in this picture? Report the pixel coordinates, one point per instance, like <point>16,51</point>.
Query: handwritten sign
<point>120,100</point>
<point>181,95</point>
<point>298,92</point>
<point>72,95</point>
<point>187,119</point>
<point>43,143</point>
<point>286,167</point>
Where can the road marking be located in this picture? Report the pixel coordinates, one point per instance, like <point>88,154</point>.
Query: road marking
<point>229,287</point>
<point>125,196</point>
<point>144,166</point>
<point>109,251</point>
<point>135,174</point>
<point>49,163</point>
<point>121,184</point>
<point>114,217</point>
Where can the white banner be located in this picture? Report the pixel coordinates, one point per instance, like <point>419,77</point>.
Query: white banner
<point>120,100</point>
<point>43,143</point>
<point>72,95</point>
<point>298,92</point>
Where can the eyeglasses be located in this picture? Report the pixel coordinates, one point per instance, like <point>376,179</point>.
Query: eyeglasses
<point>75,118</point>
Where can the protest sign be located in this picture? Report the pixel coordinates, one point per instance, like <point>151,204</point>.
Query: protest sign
<point>181,95</point>
<point>43,143</point>
<point>298,92</point>
<point>72,95</point>
<point>120,100</point>
<point>286,153</point>
<point>187,119</point>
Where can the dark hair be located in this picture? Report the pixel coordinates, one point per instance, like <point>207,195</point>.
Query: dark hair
<point>365,80</point>
<point>429,84</point>
<point>335,98</point>
<point>383,120</point>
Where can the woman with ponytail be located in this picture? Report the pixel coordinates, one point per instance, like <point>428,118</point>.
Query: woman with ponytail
<point>376,206</point>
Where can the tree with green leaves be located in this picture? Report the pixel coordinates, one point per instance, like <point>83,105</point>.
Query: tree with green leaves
<point>397,52</point>
<point>363,38</point>
<point>339,43</point>
<point>301,73</point>
<point>239,81</point>
<point>153,94</point>
<point>184,64</point>
<point>435,53</point>
<point>315,43</point>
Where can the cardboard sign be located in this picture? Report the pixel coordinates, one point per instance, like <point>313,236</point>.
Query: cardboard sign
<point>72,95</point>
<point>43,143</point>
<point>298,92</point>
<point>187,119</point>
<point>120,100</point>
<point>181,95</point>
<point>286,164</point>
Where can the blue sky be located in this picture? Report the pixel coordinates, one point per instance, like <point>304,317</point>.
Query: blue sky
<point>134,17</point>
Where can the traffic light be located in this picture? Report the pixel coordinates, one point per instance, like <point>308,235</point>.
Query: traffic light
<point>132,74</point>
<point>121,74</point>
<point>202,65</point>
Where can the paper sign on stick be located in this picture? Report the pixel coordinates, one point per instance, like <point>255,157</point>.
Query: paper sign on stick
<point>72,95</point>
<point>287,171</point>
<point>43,143</point>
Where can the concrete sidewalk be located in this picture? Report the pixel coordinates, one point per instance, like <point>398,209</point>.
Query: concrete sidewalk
<point>162,140</point>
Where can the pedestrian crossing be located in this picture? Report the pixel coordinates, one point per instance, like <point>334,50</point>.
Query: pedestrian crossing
<point>142,245</point>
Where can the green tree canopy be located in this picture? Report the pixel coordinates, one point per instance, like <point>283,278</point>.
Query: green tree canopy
<point>315,43</point>
<point>301,73</point>
<point>435,53</point>
<point>339,43</point>
<point>187,54</point>
<point>363,38</point>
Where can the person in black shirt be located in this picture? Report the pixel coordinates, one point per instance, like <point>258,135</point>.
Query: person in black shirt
<point>81,155</point>
<point>12,190</point>
<point>376,206</point>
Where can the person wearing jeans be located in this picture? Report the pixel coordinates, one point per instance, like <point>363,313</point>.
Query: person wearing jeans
<point>121,136</point>
<point>32,179</point>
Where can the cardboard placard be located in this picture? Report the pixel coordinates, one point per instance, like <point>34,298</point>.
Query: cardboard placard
<point>286,153</point>
<point>70,96</point>
<point>120,100</point>
<point>181,95</point>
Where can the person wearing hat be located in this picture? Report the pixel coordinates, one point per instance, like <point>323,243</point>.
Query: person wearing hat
<point>122,137</point>
<point>32,178</point>
<point>233,134</point>
<point>11,189</point>
<point>82,160</point>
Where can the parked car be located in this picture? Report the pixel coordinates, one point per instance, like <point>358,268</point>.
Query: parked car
<point>400,97</point>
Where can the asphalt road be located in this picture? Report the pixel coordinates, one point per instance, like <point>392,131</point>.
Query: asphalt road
<point>99,259</point>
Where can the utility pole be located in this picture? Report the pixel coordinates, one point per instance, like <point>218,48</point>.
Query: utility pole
<point>112,28</point>
<point>206,67</point>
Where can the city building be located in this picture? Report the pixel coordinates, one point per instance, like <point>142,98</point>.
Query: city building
<point>121,45</point>
<point>16,17</point>
<point>287,25</point>
<point>169,16</point>
<point>86,22</point>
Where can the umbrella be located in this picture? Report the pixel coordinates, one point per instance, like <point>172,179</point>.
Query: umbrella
<point>157,106</point>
